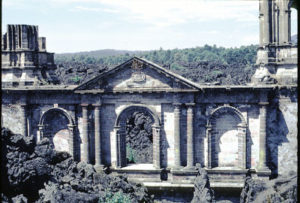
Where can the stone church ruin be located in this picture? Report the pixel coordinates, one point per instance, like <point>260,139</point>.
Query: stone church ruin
<point>229,130</point>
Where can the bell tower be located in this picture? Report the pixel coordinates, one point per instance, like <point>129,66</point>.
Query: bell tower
<point>276,56</point>
<point>25,61</point>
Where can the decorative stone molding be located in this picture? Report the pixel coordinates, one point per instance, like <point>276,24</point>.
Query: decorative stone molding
<point>120,131</point>
<point>242,135</point>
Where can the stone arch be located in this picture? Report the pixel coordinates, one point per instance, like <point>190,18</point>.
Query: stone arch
<point>120,130</point>
<point>226,132</point>
<point>56,109</point>
<point>65,131</point>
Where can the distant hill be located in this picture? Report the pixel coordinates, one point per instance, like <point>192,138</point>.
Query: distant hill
<point>207,64</point>
<point>294,39</point>
<point>102,53</point>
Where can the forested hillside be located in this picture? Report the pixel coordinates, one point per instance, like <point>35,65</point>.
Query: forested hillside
<point>207,64</point>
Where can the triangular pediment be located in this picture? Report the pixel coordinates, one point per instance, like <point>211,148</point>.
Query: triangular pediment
<point>139,75</point>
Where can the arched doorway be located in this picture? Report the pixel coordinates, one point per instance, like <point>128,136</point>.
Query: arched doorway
<point>138,136</point>
<point>226,138</point>
<point>57,125</point>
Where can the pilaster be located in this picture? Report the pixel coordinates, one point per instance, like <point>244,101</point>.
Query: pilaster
<point>98,155</point>
<point>85,135</point>
<point>190,135</point>
<point>156,146</point>
<point>262,135</point>
<point>24,119</point>
<point>177,113</point>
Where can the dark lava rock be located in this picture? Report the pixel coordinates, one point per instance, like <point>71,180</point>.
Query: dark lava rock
<point>203,193</point>
<point>281,189</point>
<point>36,173</point>
<point>19,199</point>
<point>139,142</point>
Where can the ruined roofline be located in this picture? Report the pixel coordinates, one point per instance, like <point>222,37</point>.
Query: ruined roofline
<point>41,88</point>
<point>151,64</point>
<point>215,87</point>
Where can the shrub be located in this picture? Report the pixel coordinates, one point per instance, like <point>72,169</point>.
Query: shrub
<point>130,154</point>
<point>118,197</point>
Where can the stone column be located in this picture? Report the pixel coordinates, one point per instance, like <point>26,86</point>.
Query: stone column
<point>40,133</point>
<point>24,119</point>
<point>177,160</point>
<point>264,22</point>
<point>209,146</point>
<point>85,134</point>
<point>262,135</point>
<point>120,147</point>
<point>156,146</point>
<point>71,140</point>
<point>284,22</point>
<point>98,160</point>
<point>190,135</point>
<point>242,142</point>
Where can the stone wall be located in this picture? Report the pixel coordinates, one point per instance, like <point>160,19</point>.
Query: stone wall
<point>11,117</point>
<point>282,132</point>
<point>281,124</point>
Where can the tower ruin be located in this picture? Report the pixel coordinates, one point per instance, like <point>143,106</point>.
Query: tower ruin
<point>25,61</point>
<point>276,55</point>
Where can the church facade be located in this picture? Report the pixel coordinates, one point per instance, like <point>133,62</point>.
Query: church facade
<point>229,130</point>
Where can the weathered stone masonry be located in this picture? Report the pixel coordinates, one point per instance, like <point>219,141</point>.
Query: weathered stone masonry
<point>229,130</point>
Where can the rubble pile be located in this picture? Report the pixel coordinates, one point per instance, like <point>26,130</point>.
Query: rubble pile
<point>36,173</point>
<point>281,189</point>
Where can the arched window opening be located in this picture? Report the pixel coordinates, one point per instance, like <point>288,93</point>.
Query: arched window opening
<point>56,129</point>
<point>57,125</point>
<point>294,26</point>
<point>139,140</point>
<point>137,131</point>
<point>227,145</point>
<point>225,136</point>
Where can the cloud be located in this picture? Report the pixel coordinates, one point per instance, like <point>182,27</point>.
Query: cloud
<point>171,12</point>
<point>95,9</point>
<point>163,13</point>
<point>250,39</point>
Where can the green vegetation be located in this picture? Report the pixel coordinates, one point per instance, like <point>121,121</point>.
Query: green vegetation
<point>118,197</point>
<point>207,64</point>
<point>76,79</point>
<point>130,154</point>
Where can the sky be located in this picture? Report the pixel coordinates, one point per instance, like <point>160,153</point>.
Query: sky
<point>86,25</point>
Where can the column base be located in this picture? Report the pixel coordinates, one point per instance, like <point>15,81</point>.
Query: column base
<point>177,168</point>
<point>263,172</point>
<point>99,168</point>
<point>189,168</point>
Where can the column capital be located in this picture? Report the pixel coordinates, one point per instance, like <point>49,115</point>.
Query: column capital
<point>97,105</point>
<point>156,126</point>
<point>23,105</point>
<point>177,104</point>
<point>84,105</point>
<point>208,126</point>
<point>41,127</point>
<point>190,104</point>
<point>263,103</point>
<point>71,126</point>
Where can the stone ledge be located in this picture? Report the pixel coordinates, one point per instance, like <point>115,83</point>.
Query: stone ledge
<point>184,171</point>
<point>227,184</point>
<point>190,185</point>
<point>226,170</point>
<point>138,168</point>
<point>167,185</point>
